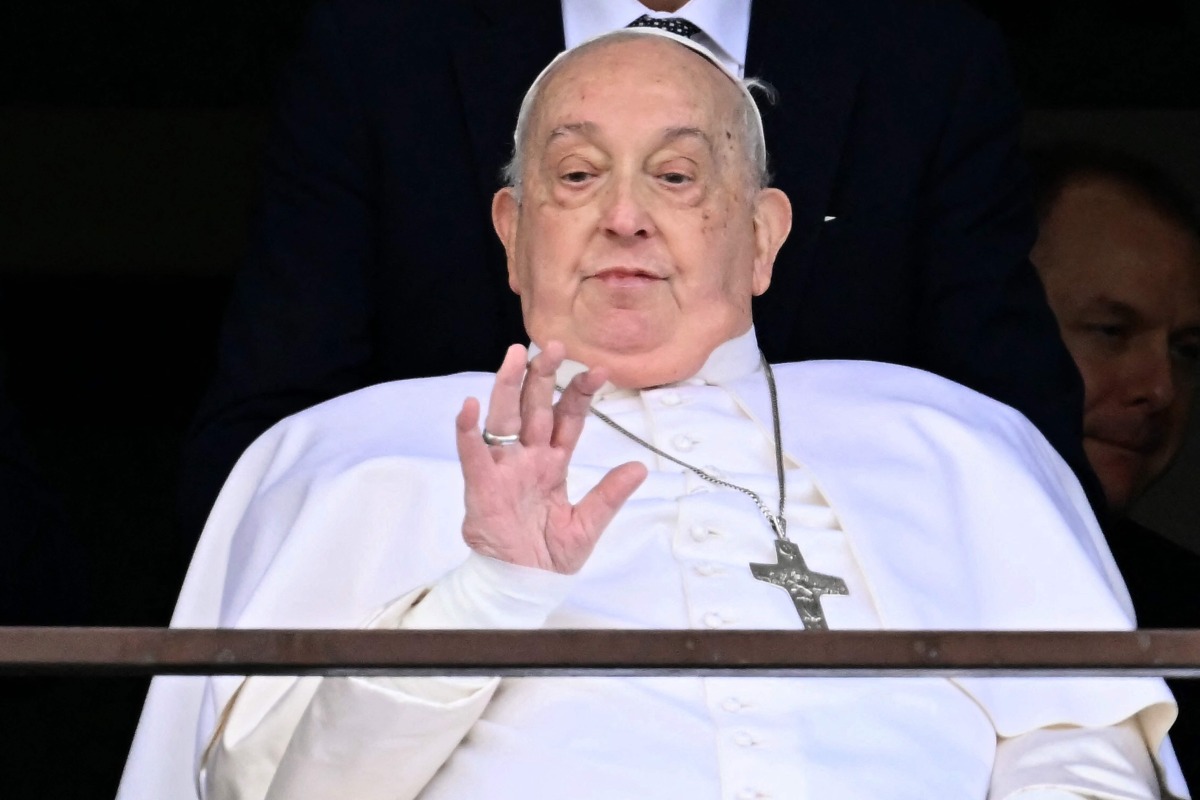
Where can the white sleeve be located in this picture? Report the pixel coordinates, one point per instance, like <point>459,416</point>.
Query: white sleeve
<point>1070,762</point>
<point>299,738</point>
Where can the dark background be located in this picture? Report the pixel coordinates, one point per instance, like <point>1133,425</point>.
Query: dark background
<point>129,141</point>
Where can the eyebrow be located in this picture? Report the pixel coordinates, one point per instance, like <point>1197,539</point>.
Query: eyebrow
<point>589,130</point>
<point>1129,314</point>
<point>687,132</point>
<point>586,129</point>
<point>1106,304</point>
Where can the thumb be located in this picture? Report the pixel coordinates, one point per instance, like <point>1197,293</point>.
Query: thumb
<point>598,507</point>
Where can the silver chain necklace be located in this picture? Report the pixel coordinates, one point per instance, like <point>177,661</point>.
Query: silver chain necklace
<point>790,573</point>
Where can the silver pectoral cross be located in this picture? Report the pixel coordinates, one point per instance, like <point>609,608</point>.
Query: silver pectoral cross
<point>805,587</point>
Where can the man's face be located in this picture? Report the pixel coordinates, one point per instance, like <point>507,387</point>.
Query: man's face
<point>1125,285</point>
<point>640,237</point>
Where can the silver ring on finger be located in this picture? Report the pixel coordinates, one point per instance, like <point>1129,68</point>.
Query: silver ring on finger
<point>500,440</point>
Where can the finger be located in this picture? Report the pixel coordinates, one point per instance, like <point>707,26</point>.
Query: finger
<point>601,504</point>
<point>473,454</point>
<point>571,410</point>
<point>537,395</point>
<point>504,406</point>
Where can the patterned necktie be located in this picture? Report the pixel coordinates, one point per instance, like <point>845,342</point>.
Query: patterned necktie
<point>676,25</point>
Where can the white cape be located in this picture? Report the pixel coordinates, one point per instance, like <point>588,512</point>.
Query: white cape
<point>961,515</point>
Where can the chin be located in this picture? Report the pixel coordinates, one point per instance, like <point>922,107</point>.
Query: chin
<point>1120,486</point>
<point>1118,468</point>
<point>1118,500</point>
<point>620,340</point>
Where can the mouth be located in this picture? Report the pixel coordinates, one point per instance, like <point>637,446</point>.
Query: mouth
<point>626,277</point>
<point>1138,436</point>
<point>1135,445</point>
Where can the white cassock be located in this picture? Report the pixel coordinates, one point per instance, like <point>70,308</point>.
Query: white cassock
<point>941,509</point>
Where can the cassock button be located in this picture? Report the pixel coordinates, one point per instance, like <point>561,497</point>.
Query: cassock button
<point>706,570</point>
<point>749,794</point>
<point>713,620</point>
<point>670,399</point>
<point>732,705</point>
<point>699,533</point>
<point>743,739</point>
<point>683,442</point>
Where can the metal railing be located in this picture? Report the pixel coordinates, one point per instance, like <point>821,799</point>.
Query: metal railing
<point>183,651</point>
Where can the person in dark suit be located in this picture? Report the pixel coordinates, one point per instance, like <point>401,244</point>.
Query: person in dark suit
<point>1119,253</point>
<point>896,130</point>
<point>44,580</point>
<point>42,562</point>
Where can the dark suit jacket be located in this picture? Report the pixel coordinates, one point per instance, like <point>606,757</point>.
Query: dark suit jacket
<point>374,257</point>
<point>43,574</point>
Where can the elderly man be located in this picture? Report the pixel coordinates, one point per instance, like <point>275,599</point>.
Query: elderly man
<point>1119,253</point>
<point>638,229</point>
<point>896,141</point>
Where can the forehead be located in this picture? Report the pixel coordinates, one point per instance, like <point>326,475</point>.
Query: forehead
<point>643,78</point>
<point>1102,237</point>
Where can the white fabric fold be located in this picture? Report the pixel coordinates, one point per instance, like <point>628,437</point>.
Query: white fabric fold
<point>958,512</point>
<point>1110,763</point>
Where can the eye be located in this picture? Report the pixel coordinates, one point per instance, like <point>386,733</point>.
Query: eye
<point>1187,353</point>
<point>1107,337</point>
<point>675,178</point>
<point>576,176</point>
<point>1109,330</point>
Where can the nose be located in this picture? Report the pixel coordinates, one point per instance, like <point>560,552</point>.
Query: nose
<point>1153,381</point>
<point>626,212</point>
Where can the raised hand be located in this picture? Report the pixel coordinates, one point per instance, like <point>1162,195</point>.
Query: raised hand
<point>516,495</point>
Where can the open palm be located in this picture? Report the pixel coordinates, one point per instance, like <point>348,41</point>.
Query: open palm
<point>517,508</point>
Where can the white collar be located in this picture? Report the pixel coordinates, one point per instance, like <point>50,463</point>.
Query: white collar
<point>726,23</point>
<point>730,361</point>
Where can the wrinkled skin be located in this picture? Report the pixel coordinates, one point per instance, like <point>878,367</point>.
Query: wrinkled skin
<point>636,246</point>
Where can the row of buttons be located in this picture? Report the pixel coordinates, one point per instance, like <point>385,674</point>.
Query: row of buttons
<point>744,739</point>
<point>683,443</point>
<point>713,619</point>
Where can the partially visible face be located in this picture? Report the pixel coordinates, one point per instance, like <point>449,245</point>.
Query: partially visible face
<point>1125,285</point>
<point>640,237</point>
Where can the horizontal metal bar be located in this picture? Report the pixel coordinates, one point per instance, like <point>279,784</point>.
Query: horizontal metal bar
<point>183,651</point>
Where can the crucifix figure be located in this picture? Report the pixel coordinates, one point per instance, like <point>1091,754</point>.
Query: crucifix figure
<point>805,587</point>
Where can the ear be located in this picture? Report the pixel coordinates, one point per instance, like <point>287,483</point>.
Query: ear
<point>505,213</point>
<point>772,223</point>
